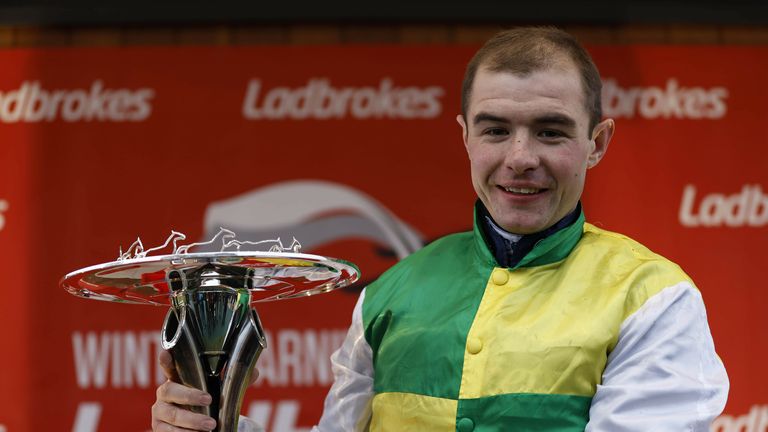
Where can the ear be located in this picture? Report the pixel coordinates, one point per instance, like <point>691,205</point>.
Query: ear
<point>464,130</point>
<point>601,137</point>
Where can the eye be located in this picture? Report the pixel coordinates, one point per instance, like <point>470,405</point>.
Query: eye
<point>551,134</point>
<point>496,132</point>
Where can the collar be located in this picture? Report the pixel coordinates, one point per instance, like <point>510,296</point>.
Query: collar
<point>490,224</point>
<point>500,248</point>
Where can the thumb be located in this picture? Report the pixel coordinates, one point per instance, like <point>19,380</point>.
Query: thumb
<point>166,363</point>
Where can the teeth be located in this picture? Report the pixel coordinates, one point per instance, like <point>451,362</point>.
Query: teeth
<point>521,190</point>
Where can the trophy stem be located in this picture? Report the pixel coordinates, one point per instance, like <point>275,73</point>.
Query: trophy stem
<point>215,338</point>
<point>213,387</point>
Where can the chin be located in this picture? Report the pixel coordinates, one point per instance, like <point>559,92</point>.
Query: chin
<point>525,228</point>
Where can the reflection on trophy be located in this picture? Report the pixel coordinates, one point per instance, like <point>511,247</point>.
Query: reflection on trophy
<point>212,329</point>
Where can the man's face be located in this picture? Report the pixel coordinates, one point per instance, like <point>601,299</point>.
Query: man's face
<point>529,145</point>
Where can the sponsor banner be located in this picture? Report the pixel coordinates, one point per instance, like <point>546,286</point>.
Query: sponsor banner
<point>670,101</point>
<point>31,103</point>
<point>755,421</point>
<point>17,220</point>
<point>746,208</point>
<point>320,100</point>
<point>354,151</point>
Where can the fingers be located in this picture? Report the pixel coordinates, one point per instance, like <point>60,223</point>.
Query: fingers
<point>167,416</point>
<point>170,418</point>
<point>176,393</point>
<point>166,363</point>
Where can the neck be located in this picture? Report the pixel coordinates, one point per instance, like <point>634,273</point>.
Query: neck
<point>509,248</point>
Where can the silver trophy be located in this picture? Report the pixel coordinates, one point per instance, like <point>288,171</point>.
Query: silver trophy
<point>212,329</point>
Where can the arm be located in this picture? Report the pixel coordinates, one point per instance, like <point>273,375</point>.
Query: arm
<point>348,404</point>
<point>663,375</point>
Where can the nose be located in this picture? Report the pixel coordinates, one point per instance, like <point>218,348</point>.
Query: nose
<point>521,154</point>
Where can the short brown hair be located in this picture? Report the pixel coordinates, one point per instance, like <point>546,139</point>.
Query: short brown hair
<point>524,50</point>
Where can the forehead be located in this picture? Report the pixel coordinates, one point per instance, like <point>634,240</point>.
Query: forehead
<point>552,90</point>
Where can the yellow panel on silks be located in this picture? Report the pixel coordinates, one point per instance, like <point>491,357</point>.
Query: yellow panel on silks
<point>548,329</point>
<point>412,412</point>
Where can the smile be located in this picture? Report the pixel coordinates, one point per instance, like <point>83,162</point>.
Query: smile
<point>524,191</point>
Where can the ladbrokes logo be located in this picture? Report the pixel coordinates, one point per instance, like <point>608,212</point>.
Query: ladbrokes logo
<point>32,103</point>
<point>747,208</point>
<point>320,100</point>
<point>671,102</point>
<point>755,421</point>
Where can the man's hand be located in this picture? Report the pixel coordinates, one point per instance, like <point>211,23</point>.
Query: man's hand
<point>167,415</point>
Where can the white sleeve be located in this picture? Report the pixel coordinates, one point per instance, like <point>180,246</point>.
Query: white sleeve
<point>663,375</point>
<point>348,404</point>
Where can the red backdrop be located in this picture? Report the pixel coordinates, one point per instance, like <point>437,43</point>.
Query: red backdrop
<point>98,146</point>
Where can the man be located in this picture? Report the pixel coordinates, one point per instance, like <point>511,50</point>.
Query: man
<point>536,320</point>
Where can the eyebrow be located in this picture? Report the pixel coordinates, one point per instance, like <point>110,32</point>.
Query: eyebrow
<point>481,117</point>
<point>558,119</point>
<point>553,118</point>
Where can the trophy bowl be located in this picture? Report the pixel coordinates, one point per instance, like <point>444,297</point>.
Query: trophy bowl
<point>212,328</point>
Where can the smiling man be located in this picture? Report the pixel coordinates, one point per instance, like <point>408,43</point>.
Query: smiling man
<point>535,320</point>
<point>530,141</point>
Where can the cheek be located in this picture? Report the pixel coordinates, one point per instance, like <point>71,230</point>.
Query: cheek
<point>571,167</point>
<point>482,158</point>
<point>476,160</point>
<point>575,180</point>
<point>482,170</point>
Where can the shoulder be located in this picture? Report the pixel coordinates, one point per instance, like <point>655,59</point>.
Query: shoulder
<point>624,254</point>
<point>441,257</point>
<point>450,248</point>
<point>451,243</point>
<point>618,260</point>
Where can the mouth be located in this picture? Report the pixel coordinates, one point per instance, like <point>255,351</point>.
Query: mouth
<point>522,190</point>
